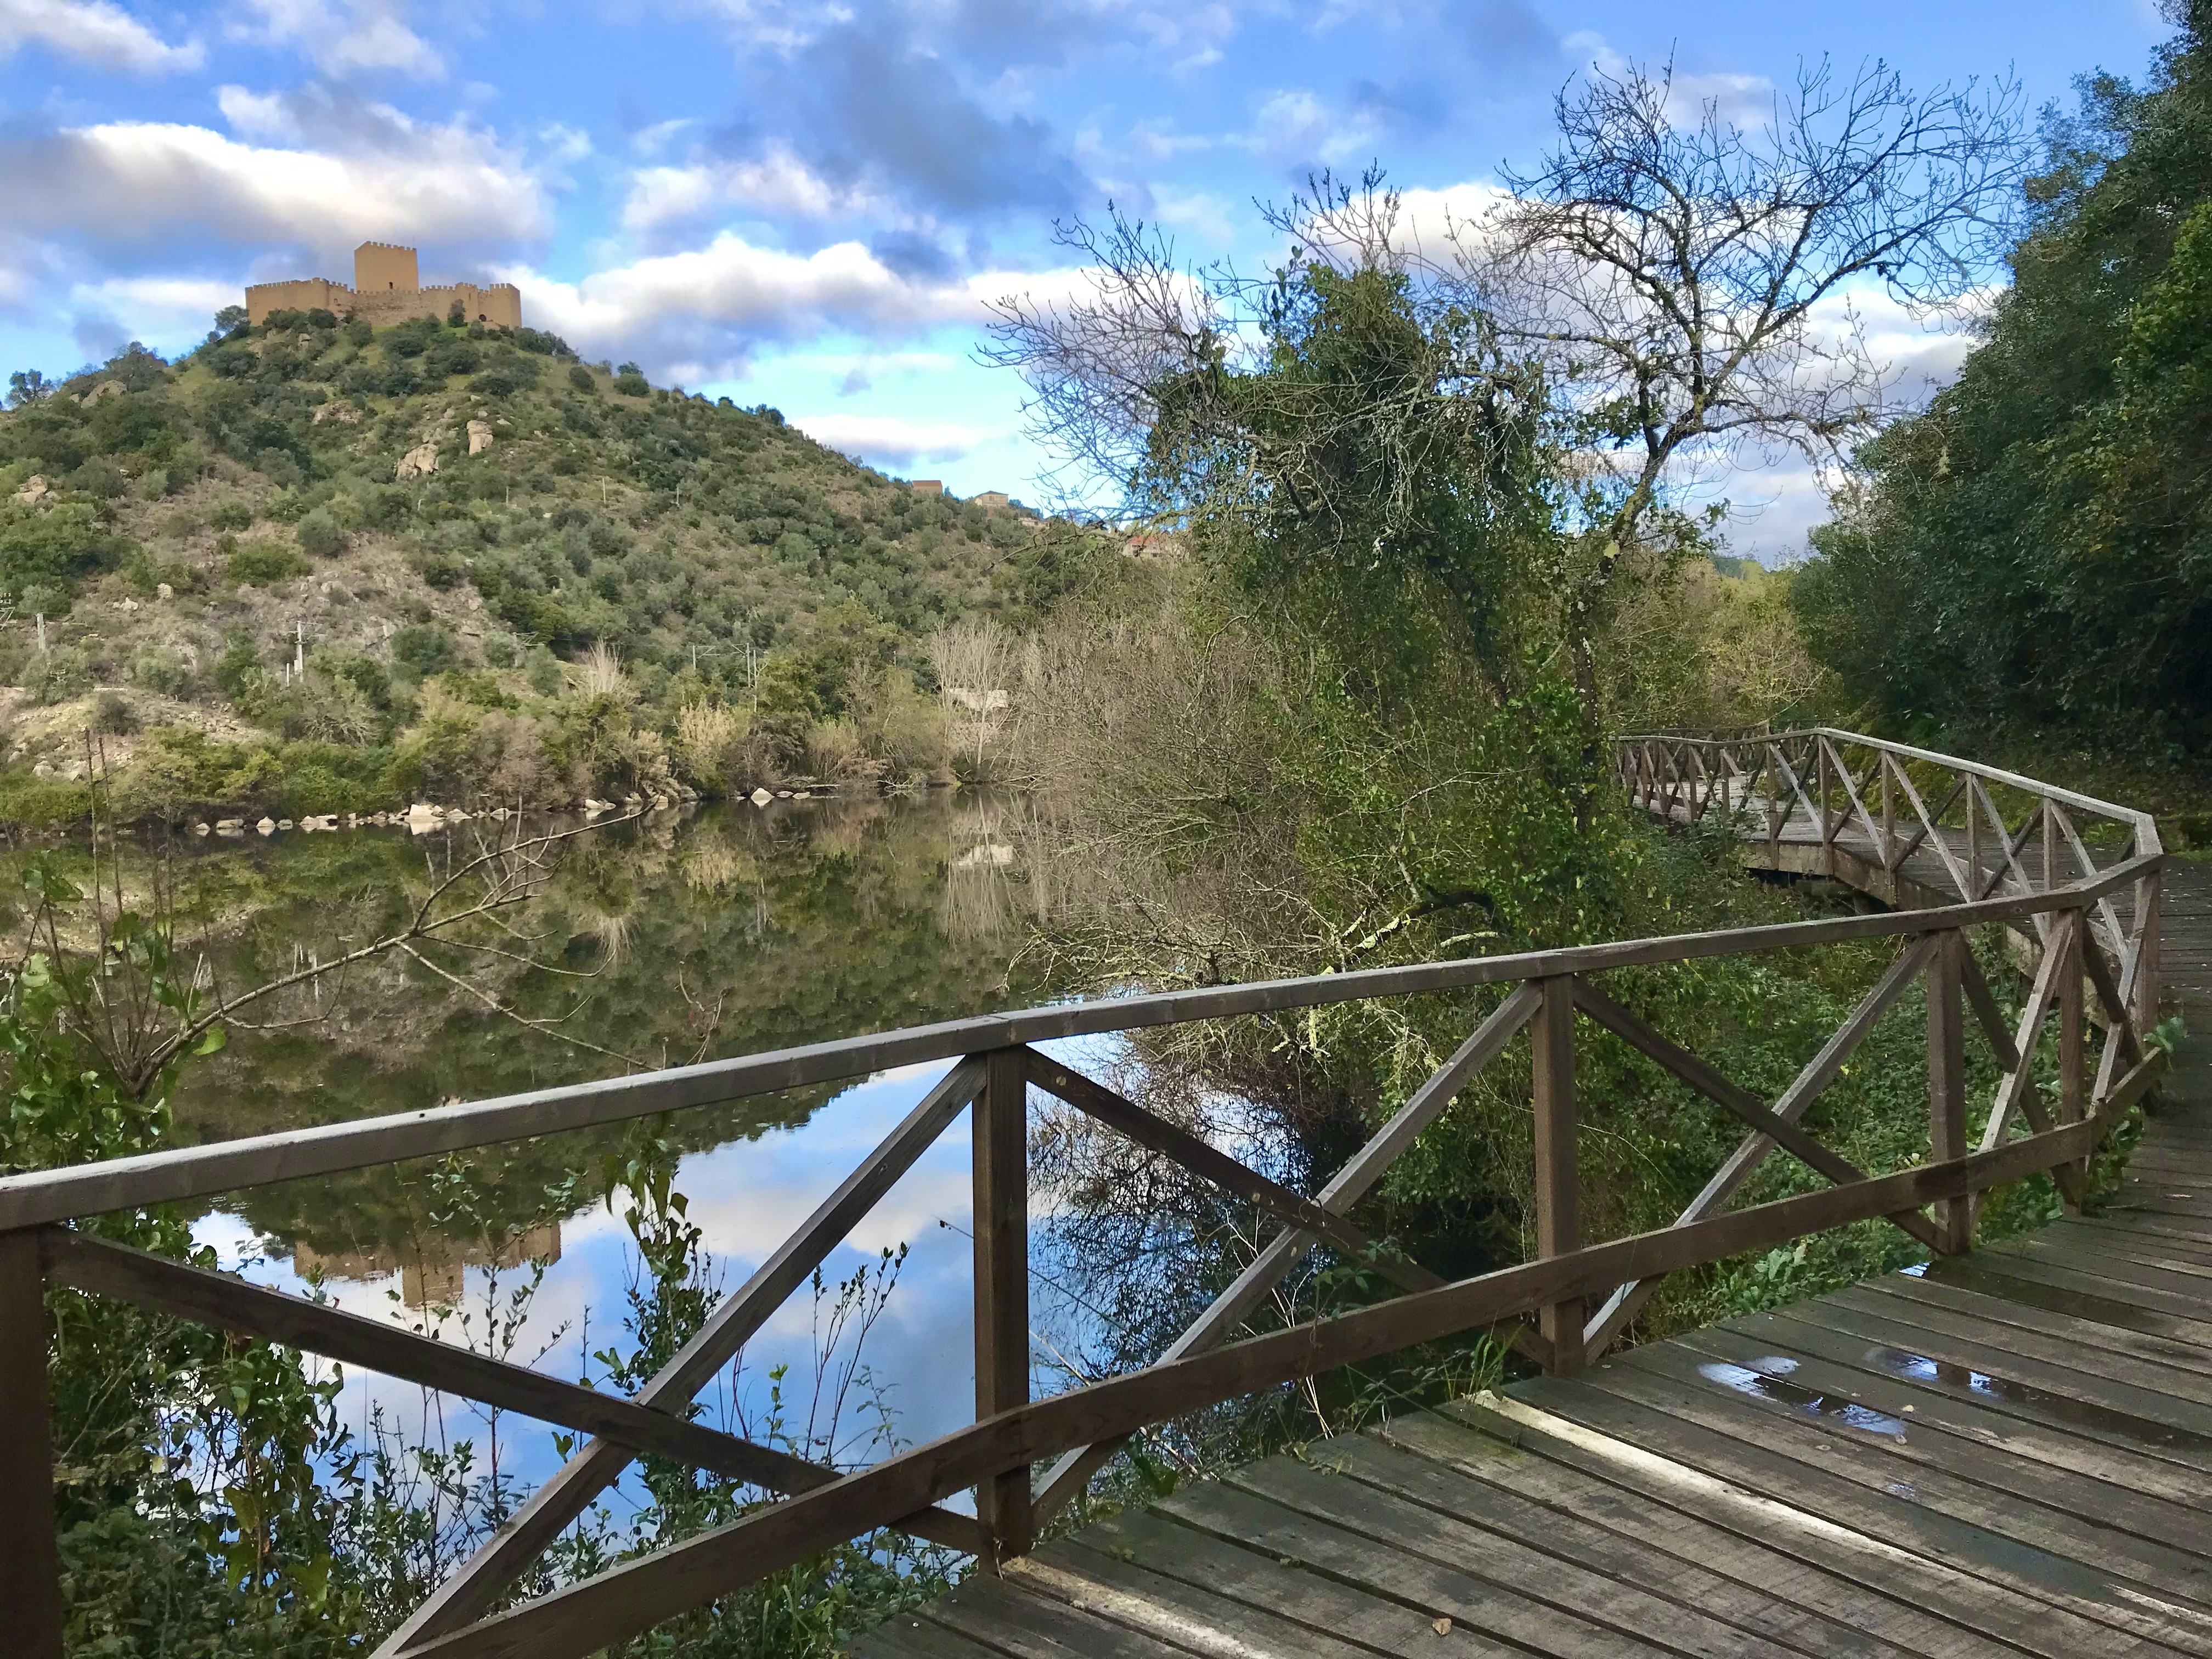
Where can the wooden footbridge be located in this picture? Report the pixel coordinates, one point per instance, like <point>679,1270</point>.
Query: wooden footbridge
<point>2008,1453</point>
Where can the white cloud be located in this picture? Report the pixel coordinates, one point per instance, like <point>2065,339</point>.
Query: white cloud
<point>1746,100</point>
<point>893,442</point>
<point>95,30</point>
<point>777,185</point>
<point>1158,141</point>
<point>157,183</point>
<point>263,114</point>
<point>1295,125</point>
<point>651,141</point>
<point>154,307</point>
<point>344,38</point>
<point>698,314</point>
<point>1924,353</point>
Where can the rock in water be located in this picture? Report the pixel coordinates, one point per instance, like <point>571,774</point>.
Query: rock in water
<point>419,462</point>
<point>480,437</point>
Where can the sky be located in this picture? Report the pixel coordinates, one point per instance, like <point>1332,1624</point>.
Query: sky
<point>812,205</point>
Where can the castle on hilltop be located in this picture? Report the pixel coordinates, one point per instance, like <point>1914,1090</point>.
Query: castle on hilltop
<point>386,289</point>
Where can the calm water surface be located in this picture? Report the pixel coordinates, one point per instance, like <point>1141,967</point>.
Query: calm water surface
<point>722,931</point>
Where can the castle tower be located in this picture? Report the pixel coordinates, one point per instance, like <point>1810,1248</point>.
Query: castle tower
<point>381,268</point>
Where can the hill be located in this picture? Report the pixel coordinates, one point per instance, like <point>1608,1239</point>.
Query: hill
<point>317,567</point>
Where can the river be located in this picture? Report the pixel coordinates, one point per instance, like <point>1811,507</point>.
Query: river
<point>718,931</point>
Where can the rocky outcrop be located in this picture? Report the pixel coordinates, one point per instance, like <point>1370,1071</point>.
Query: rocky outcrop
<point>34,491</point>
<point>480,437</point>
<point>343,414</point>
<point>419,462</point>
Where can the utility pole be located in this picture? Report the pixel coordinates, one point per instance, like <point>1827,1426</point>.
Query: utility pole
<point>298,649</point>
<point>42,631</point>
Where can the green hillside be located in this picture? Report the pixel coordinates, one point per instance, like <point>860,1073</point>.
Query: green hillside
<point>629,591</point>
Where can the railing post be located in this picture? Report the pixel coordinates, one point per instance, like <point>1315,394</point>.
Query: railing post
<point>2147,951</point>
<point>30,1560</point>
<point>1889,858</point>
<point>1559,1186</point>
<point>1973,843</point>
<point>1820,800</point>
<point>1001,1153</point>
<point>1947,1081</point>
<point>2073,1051</point>
<point>1774,814</point>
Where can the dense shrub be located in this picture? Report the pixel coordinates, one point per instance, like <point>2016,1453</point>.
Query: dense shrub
<point>264,564</point>
<point>424,650</point>
<point>55,547</point>
<point>320,537</point>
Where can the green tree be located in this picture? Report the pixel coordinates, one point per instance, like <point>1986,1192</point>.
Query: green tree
<point>2033,551</point>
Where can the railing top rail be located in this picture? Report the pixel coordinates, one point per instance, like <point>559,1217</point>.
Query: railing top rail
<point>2145,822</point>
<point>193,1172</point>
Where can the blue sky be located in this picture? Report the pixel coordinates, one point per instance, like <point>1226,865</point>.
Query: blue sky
<point>808,205</point>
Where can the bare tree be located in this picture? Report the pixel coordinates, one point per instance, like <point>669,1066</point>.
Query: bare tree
<point>1102,359</point>
<point>972,659</point>
<point>1688,281</point>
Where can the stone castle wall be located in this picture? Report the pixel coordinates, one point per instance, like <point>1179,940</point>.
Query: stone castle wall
<point>308,294</point>
<point>387,289</point>
<point>386,266</point>
<point>497,305</point>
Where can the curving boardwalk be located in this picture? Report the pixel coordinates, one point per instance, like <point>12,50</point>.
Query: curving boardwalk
<point>2008,1453</point>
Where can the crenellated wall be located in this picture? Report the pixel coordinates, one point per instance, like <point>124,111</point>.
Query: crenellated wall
<point>386,291</point>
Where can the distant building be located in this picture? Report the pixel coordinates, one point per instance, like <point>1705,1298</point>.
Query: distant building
<point>927,486</point>
<point>386,289</point>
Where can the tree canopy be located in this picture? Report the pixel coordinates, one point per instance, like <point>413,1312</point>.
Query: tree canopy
<point>2032,552</point>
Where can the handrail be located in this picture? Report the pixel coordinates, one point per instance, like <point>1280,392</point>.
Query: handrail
<point>189,1172</point>
<point>2087,962</point>
<point>2133,816</point>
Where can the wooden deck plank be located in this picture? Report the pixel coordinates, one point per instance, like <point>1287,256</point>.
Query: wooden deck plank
<point>1316,1602</point>
<point>2191,1281</point>
<point>1812,1574</point>
<point>1433,1591</point>
<point>1006,1615</point>
<point>2115,1301</point>
<point>2124,1488</point>
<point>1410,1532</point>
<point>2003,1405</point>
<point>2103,1617</point>
<point>1214,1622</point>
<point>914,1635</point>
<point>1691,1471</point>
<point>1999,1495</point>
<point>2159,1226</point>
<point>1486,1510</point>
<point>2136,1244</point>
<point>2149,1372</point>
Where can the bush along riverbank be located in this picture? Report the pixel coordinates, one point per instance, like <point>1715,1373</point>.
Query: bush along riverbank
<point>474,747</point>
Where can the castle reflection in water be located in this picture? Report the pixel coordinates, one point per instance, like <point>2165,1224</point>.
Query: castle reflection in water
<point>431,1270</point>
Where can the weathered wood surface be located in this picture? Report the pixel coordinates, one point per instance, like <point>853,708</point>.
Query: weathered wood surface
<point>2009,1454</point>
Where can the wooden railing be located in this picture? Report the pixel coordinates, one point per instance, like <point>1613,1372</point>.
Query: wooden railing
<point>2088,958</point>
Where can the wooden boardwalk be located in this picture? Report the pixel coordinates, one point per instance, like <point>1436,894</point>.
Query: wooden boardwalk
<point>2009,1454</point>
